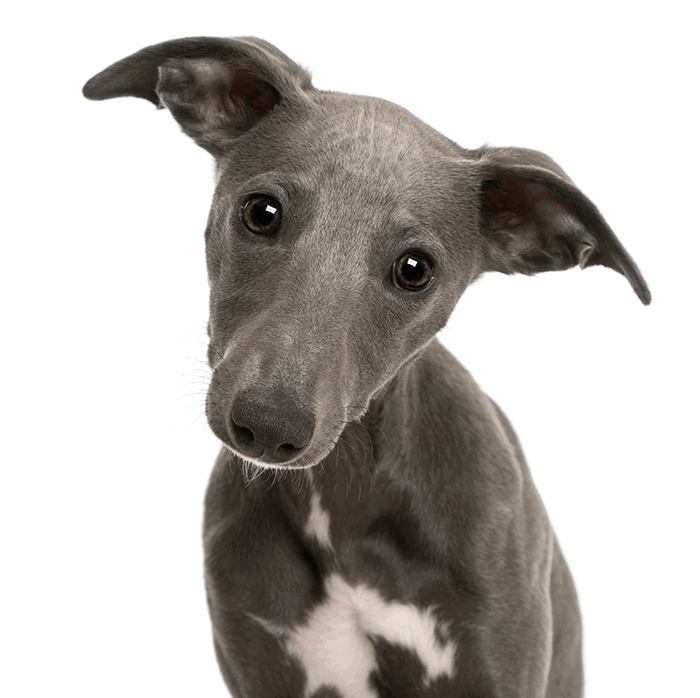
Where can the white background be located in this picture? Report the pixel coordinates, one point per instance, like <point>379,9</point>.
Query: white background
<point>105,450</point>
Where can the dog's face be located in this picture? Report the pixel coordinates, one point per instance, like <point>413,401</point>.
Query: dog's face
<point>333,259</point>
<point>343,232</point>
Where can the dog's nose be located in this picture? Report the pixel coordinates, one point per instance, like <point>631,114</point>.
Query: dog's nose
<point>273,429</point>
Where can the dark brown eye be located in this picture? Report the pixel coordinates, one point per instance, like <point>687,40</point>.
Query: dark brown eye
<point>261,214</point>
<point>413,271</point>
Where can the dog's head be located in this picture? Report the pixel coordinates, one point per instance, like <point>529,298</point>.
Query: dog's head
<point>342,233</point>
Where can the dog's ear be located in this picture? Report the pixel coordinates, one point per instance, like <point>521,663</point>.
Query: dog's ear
<point>535,219</point>
<point>215,88</point>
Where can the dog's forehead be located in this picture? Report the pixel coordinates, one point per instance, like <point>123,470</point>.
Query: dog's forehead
<point>377,133</point>
<point>363,160</point>
<point>355,152</point>
<point>335,138</point>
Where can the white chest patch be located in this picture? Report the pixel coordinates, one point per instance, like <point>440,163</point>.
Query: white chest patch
<point>318,525</point>
<point>333,645</point>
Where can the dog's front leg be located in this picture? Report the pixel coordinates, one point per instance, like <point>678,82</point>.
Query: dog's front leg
<point>260,581</point>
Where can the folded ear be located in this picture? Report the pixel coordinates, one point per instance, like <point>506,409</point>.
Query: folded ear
<point>215,88</point>
<point>535,219</point>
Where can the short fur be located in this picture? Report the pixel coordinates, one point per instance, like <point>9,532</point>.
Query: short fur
<point>371,526</point>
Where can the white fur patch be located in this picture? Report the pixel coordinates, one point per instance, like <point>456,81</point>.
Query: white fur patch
<point>318,525</point>
<point>334,649</point>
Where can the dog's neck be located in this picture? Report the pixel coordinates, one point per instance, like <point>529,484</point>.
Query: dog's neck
<point>379,483</point>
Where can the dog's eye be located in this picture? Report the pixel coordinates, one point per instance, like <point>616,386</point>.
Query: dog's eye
<point>413,271</point>
<point>261,214</point>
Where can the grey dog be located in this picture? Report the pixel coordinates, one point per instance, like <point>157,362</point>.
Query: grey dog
<point>371,526</point>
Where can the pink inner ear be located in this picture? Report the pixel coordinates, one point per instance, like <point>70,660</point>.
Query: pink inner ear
<point>256,93</point>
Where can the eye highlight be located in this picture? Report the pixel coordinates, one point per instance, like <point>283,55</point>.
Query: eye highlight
<point>413,271</point>
<point>261,214</point>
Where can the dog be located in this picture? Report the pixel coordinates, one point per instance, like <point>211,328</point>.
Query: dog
<point>371,526</point>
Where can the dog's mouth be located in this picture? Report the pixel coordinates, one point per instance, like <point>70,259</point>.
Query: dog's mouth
<point>283,457</point>
<point>263,461</point>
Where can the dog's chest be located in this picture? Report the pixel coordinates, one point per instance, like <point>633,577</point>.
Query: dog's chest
<point>356,633</point>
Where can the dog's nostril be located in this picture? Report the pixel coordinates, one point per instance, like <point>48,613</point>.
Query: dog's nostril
<point>243,435</point>
<point>287,451</point>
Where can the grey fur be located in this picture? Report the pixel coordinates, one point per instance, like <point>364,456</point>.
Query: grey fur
<point>322,361</point>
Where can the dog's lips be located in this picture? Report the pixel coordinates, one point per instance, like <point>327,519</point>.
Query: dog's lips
<point>262,461</point>
<point>311,456</point>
